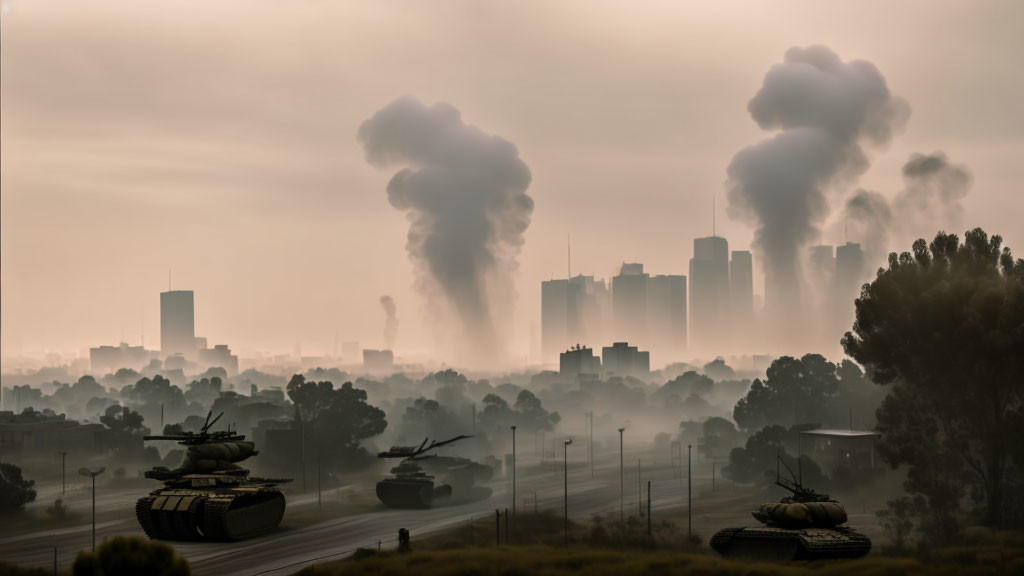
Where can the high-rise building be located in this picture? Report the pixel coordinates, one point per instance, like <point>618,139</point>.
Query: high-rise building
<point>709,293</point>
<point>741,289</point>
<point>106,359</point>
<point>849,268</point>
<point>573,311</point>
<point>219,356</point>
<point>629,303</point>
<point>666,316</point>
<point>621,359</point>
<point>578,360</point>
<point>177,323</point>
<point>378,361</point>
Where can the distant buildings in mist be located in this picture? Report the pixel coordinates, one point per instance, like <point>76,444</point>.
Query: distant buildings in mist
<point>711,311</point>
<point>181,349</point>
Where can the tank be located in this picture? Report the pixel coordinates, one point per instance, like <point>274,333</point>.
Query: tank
<point>804,526</point>
<point>210,497</point>
<point>412,484</point>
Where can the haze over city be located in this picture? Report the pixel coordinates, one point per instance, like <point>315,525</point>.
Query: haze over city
<point>235,156</point>
<point>476,287</point>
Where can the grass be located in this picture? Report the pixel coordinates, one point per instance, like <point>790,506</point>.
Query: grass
<point>608,547</point>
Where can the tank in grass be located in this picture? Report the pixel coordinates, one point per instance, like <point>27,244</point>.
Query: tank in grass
<point>210,497</point>
<point>412,483</point>
<point>804,526</point>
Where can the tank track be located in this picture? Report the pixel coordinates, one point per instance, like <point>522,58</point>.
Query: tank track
<point>215,517</point>
<point>780,544</point>
<point>241,517</point>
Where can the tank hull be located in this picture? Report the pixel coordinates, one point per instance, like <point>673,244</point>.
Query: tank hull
<point>410,493</point>
<point>220,515</point>
<point>782,544</point>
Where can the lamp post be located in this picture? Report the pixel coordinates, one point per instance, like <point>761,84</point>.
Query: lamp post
<point>689,493</point>
<point>513,470</point>
<point>565,447</point>
<point>63,471</point>
<point>622,480</point>
<point>92,474</point>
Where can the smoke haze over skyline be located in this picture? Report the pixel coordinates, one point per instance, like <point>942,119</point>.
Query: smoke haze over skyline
<point>230,159</point>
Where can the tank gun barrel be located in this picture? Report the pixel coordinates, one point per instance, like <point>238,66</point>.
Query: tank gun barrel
<point>414,452</point>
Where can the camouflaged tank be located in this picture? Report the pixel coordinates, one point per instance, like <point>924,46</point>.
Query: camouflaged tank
<point>210,497</point>
<point>410,486</point>
<point>804,526</point>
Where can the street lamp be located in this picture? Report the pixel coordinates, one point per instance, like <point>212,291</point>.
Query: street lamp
<point>63,471</point>
<point>622,480</point>
<point>566,461</point>
<point>92,474</point>
<point>513,470</point>
<point>689,493</point>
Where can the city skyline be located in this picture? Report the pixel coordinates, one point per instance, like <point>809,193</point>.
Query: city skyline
<point>281,206</point>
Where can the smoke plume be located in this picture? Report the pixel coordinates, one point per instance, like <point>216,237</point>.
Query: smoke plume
<point>825,110</point>
<point>464,193</point>
<point>930,199</point>
<point>390,321</point>
<point>867,219</point>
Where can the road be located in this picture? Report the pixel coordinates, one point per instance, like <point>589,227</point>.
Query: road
<point>306,537</point>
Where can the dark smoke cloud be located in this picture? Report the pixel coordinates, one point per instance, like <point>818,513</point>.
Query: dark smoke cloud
<point>867,219</point>
<point>932,193</point>
<point>390,321</point>
<point>464,192</point>
<point>929,201</point>
<point>825,110</point>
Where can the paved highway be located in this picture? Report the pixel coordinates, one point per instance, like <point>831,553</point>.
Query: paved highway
<point>306,537</point>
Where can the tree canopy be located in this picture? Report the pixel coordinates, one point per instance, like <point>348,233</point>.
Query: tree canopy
<point>944,326</point>
<point>340,416</point>
<point>15,491</point>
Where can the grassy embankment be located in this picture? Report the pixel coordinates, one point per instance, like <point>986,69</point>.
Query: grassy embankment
<point>606,547</point>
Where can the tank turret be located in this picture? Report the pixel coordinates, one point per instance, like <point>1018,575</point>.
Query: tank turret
<point>412,482</point>
<point>210,497</point>
<point>804,525</point>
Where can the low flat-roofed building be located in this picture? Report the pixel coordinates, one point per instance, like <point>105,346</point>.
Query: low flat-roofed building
<point>832,447</point>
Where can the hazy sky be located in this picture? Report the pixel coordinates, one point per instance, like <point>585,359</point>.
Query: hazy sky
<point>217,139</point>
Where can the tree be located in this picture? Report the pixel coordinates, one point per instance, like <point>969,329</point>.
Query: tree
<point>683,386</point>
<point>123,420</point>
<point>943,326</point>
<point>756,462</point>
<point>793,392</point>
<point>15,491</point>
<point>122,555</point>
<point>718,433</point>
<point>205,391</point>
<point>339,417</point>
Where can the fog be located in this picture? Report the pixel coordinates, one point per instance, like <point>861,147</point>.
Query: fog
<point>233,162</point>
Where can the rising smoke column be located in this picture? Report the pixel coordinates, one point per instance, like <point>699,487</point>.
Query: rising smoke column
<point>464,193</point>
<point>387,303</point>
<point>824,109</point>
<point>929,201</point>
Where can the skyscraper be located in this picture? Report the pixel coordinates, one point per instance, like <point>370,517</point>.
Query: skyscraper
<point>177,323</point>
<point>573,311</point>
<point>741,289</point>
<point>709,293</point>
<point>629,303</point>
<point>666,316</point>
<point>849,269</point>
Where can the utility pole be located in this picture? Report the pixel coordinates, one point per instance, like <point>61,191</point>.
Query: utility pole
<point>513,470</point>
<point>648,507</point>
<point>93,474</point>
<point>622,480</point>
<point>639,490</point>
<point>689,493</point>
<point>319,502</point>
<point>566,461</point>
<point>590,449</point>
<point>63,471</point>
<point>302,424</point>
